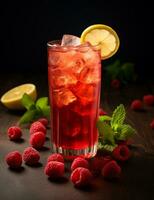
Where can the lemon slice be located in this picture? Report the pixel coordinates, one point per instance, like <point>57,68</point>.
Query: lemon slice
<point>104,36</point>
<point>12,98</point>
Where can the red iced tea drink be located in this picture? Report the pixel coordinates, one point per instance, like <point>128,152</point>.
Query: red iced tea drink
<point>74,75</point>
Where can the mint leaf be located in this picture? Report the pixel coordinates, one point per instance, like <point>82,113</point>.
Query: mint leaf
<point>106,132</point>
<point>118,117</point>
<point>27,102</point>
<point>104,118</point>
<point>128,71</point>
<point>42,105</point>
<point>28,116</point>
<point>42,102</point>
<point>113,69</point>
<point>46,111</point>
<point>106,147</point>
<point>126,131</point>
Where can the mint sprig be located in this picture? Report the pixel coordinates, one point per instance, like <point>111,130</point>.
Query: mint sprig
<point>112,129</point>
<point>125,72</point>
<point>106,147</point>
<point>118,117</point>
<point>34,110</point>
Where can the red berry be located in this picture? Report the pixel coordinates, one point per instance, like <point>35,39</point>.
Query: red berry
<point>55,157</point>
<point>54,169</point>
<point>111,170</point>
<point>37,126</point>
<point>125,142</point>
<point>121,153</point>
<point>148,99</point>
<point>14,159</point>
<point>102,112</point>
<point>31,156</point>
<point>152,124</point>
<point>37,140</point>
<point>81,177</point>
<point>96,165</point>
<point>14,133</point>
<point>136,105</point>
<point>106,159</point>
<point>115,83</point>
<point>44,121</point>
<point>79,162</point>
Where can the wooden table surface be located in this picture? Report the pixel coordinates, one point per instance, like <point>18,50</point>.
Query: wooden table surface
<point>30,183</point>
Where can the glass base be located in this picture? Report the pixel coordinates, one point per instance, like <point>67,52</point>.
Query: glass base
<point>72,153</point>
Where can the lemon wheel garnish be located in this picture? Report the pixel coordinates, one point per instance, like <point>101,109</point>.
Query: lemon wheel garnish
<point>12,98</point>
<point>104,36</point>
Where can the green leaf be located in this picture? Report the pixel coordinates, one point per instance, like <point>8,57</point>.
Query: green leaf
<point>106,147</point>
<point>106,132</point>
<point>28,116</point>
<point>104,118</point>
<point>118,117</point>
<point>113,69</point>
<point>128,71</point>
<point>27,102</point>
<point>42,102</point>
<point>46,111</point>
<point>126,131</point>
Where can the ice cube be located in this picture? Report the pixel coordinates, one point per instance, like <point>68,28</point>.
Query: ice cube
<point>72,130</point>
<point>61,78</point>
<point>62,59</point>
<point>71,125</point>
<point>83,110</point>
<point>85,92</point>
<point>91,57</point>
<point>63,97</point>
<point>70,40</point>
<point>90,75</point>
<point>54,58</point>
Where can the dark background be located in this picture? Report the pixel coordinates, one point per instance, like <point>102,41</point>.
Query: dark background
<point>27,26</point>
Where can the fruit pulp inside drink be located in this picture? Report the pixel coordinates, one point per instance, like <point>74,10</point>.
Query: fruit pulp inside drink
<point>74,75</point>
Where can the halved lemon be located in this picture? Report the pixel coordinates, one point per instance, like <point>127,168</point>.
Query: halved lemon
<point>12,98</point>
<point>104,36</point>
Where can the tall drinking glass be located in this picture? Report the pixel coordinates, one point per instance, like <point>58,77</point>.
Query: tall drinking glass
<point>74,77</point>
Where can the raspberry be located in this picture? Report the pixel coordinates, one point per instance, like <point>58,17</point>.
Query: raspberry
<point>37,140</point>
<point>102,112</point>
<point>98,163</point>
<point>44,121</point>
<point>31,156</point>
<point>14,133</point>
<point>106,159</point>
<point>121,153</point>
<point>152,124</point>
<point>111,170</point>
<point>136,105</point>
<point>79,162</point>
<point>125,142</point>
<point>81,177</point>
<point>14,159</point>
<point>148,99</point>
<point>37,126</point>
<point>54,169</point>
<point>115,83</point>
<point>55,157</point>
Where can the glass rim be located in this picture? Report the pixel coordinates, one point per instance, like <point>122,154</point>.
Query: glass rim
<point>55,45</point>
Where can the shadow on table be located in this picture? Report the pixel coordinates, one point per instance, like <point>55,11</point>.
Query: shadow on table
<point>38,165</point>
<point>20,141</point>
<point>61,180</point>
<point>44,148</point>
<point>17,171</point>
